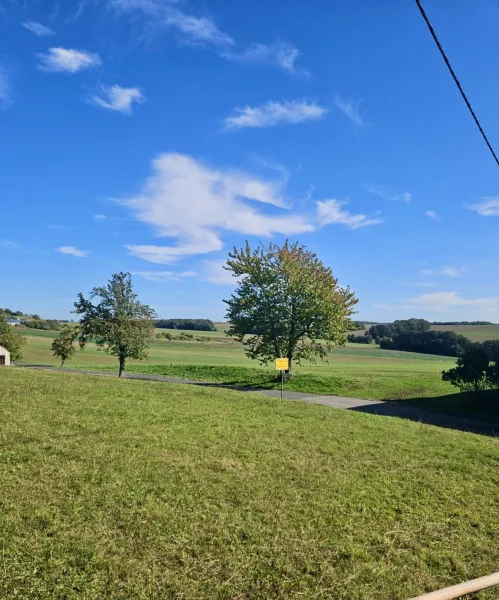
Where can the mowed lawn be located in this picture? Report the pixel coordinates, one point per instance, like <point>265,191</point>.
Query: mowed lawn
<point>356,371</point>
<point>142,490</point>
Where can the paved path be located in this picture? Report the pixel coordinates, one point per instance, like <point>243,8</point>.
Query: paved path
<point>387,409</point>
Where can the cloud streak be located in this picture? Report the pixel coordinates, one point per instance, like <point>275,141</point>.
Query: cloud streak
<point>274,113</point>
<point>431,214</point>
<point>447,271</point>
<point>278,54</point>
<point>72,251</point>
<point>162,276</point>
<point>350,110</point>
<point>204,32</point>
<point>67,60</point>
<point>487,207</point>
<point>5,89</point>
<point>193,203</point>
<point>117,98</point>
<point>38,29</point>
<point>444,302</point>
<point>388,194</point>
<point>332,211</point>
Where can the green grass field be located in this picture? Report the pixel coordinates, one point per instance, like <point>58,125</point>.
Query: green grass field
<point>355,371</point>
<point>476,333</point>
<point>126,489</point>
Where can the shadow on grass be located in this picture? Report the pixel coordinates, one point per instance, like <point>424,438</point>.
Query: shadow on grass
<point>464,412</point>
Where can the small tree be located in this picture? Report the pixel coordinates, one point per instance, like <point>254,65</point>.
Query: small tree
<point>287,302</point>
<point>472,372</point>
<point>11,340</point>
<point>119,323</point>
<point>63,346</point>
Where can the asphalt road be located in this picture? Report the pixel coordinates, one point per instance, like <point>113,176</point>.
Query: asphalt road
<point>386,409</point>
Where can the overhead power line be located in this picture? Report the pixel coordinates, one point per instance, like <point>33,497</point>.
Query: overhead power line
<point>451,70</point>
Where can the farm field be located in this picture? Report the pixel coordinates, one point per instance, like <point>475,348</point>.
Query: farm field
<point>356,370</point>
<point>476,333</point>
<point>128,489</point>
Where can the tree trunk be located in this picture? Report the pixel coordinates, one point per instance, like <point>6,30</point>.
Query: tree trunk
<point>62,364</point>
<point>122,366</point>
<point>290,366</point>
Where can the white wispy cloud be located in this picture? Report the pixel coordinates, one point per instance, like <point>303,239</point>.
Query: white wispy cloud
<point>431,214</point>
<point>444,302</point>
<point>447,271</point>
<point>9,244</point>
<point>332,211</point>
<point>350,109</point>
<point>388,194</point>
<point>204,31</point>
<point>272,113</point>
<point>278,54</point>
<point>100,217</point>
<point>487,207</point>
<point>162,276</point>
<point>71,250</point>
<point>5,89</point>
<point>163,14</point>
<point>197,30</point>
<point>194,204</point>
<point>117,98</point>
<point>67,60</point>
<point>38,29</point>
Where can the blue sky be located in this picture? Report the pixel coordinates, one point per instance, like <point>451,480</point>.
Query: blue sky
<point>151,136</point>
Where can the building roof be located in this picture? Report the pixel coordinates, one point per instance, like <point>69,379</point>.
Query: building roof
<point>13,321</point>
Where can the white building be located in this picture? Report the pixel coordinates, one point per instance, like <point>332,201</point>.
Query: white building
<point>14,322</point>
<point>4,357</point>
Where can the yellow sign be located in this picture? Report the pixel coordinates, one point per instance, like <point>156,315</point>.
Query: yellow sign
<point>281,364</point>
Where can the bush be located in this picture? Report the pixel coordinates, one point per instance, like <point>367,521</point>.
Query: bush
<point>42,325</point>
<point>472,372</point>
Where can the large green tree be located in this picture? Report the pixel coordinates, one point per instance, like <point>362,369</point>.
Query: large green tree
<point>287,303</point>
<point>63,345</point>
<point>11,340</point>
<point>473,372</point>
<point>118,323</point>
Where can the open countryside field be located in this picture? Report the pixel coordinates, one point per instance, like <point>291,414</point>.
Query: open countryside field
<point>355,371</point>
<point>128,489</point>
<point>476,333</point>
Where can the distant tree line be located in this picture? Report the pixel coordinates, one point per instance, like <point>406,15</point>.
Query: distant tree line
<point>356,325</point>
<point>11,313</point>
<point>462,323</point>
<point>188,324</point>
<point>45,325</point>
<point>353,338</point>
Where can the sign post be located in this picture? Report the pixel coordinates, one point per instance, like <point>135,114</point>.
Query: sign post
<point>282,364</point>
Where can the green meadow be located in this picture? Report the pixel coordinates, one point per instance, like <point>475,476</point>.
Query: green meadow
<point>356,370</point>
<point>126,489</point>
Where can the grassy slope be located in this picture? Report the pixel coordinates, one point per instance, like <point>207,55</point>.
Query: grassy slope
<point>357,370</point>
<point>127,490</point>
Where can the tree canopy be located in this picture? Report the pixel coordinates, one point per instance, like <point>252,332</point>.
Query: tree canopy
<point>287,303</point>
<point>473,372</point>
<point>11,339</point>
<point>63,346</point>
<point>119,323</point>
